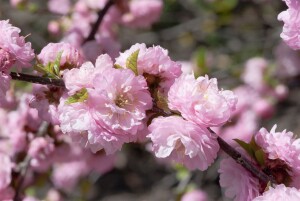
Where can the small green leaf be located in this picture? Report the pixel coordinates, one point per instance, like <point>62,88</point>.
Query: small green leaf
<point>201,61</point>
<point>117,66</point>
<point>260,157</point>
<point>79,96</point>
<point>56,64</point>
<point>39,68</point>
<point>131,61</point>
<point>50,70</point>
<point>247,147</point>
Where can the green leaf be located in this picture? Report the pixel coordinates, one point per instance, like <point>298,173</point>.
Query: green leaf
<point>79,96</point>
<point>39,68</point>
<point>201,61</point>
<point>247,147</point>
<point>253,144</point>
<point>117,66</point>
<point>260,157</point>
<point>50,70</point>
<point>56,64</point>
<point>131,62</point>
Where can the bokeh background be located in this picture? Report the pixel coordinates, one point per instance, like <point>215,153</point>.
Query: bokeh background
<point>216,37</point>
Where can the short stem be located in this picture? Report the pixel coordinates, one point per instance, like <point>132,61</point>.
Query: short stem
<point>37,79</point>
<point>243,161</point>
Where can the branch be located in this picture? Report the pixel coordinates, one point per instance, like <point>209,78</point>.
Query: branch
<point>37,79</point>
<point>101,15</point>
<point>243,161</point>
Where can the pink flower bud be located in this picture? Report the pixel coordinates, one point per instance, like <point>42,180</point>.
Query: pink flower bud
<point>264,108</point>
<point>195,195</point>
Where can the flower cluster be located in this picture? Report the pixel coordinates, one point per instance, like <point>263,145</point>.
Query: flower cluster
<point>276,154</point>
<point>112,111</point>
<point>13,51</point>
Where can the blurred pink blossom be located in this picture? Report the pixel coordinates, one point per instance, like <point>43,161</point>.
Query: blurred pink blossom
<point>142,13</point>
<point>254,73</point>
<point>59,6</point>
<point>195,195</point>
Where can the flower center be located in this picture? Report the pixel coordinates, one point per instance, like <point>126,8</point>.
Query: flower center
<point>179,147</point>
<point>5,60</point>
<point>121,101</point>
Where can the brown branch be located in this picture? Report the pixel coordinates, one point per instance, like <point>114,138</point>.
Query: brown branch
<point>96,25</point>
<point>37,79</point>
<point>243,161</point>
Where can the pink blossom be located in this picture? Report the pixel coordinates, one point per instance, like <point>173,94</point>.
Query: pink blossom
<point>184,142</point>
<point>195,195</point>
<point>59,6</point>
<point>142,13</point>
<point>254,73</point>
<point>20,53</point>
<point>155,64</point>
<point>119,99</point>
<point>114,110</point>
<point>199,100</point>
<point>291,19</point>
<point>239,184</point>
<point>76,79</point>
<point>277,144</point>
<point>70,58</point>
<point>280,192</point>
<point>5,171</point>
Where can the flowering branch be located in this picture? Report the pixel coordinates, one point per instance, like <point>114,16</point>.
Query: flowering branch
<point>37,79</point>
<point>101,15</point>
<point>243,161</point>
<point>238,157</point>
